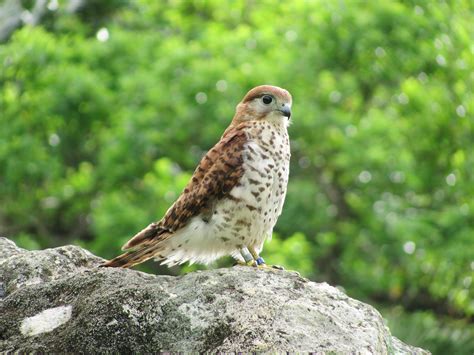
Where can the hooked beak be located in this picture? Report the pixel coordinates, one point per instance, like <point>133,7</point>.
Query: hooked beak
<point>285,111</point>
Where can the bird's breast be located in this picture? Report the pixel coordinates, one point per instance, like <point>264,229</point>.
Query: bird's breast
<point>262,188</point>
<point>247,215</point>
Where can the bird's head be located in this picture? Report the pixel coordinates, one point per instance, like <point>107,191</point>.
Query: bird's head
<point>264,102</point>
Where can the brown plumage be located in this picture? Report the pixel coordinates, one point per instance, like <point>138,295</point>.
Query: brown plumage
<point>235,195</point>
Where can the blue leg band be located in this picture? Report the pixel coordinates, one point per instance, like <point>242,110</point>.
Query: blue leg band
<point>260,261</point>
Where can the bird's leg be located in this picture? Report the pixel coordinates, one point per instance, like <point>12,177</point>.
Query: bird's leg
<point>258,259</point>
<point>249,260</point>
<point>260,262</point>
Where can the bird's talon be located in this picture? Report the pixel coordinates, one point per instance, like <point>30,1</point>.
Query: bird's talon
<point>243,263</point>
<point>278,267</point>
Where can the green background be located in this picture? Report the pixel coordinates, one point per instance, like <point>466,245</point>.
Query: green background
<point>107,107</point>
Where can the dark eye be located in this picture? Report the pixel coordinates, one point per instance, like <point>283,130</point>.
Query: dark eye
<point>267,99</point>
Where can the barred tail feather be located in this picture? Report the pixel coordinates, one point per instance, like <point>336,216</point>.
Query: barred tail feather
<point>133,257</point>
<point>151,231</point>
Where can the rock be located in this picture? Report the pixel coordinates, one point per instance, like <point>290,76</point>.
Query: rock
<point>58,300</point>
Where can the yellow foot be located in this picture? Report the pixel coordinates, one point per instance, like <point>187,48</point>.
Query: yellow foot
<point>265,266</point>
<point>254,263</point>
<point>243,263</point>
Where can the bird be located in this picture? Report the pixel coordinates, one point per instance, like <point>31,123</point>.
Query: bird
<point>233,200</point>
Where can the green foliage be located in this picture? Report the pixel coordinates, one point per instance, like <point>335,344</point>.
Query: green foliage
<point>443,336</point>
<point>293,253</point>
<point>104,113</point>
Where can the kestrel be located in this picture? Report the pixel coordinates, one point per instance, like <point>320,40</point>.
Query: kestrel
<point>235,196</point>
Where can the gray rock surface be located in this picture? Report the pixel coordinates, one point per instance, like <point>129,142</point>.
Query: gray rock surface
<point>57,300</point>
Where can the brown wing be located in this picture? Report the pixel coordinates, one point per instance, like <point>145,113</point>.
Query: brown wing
<point>217,173</point>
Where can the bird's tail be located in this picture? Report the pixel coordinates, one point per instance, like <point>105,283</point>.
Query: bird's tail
<point>133,257</point>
